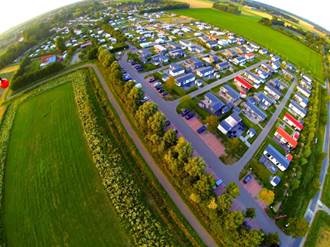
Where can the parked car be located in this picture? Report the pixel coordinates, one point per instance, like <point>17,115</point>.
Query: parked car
<point>167,123</point>
<point>151,80</point>
<point>201,129</point>
<point>218,183</point>
<point>247,178</point>
<point>184,112</point>
<point>161,90</point>
<point>190,115</point>
<point>164,93</point>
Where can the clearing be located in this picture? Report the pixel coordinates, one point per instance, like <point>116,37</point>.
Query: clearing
<point>275,41</point>
<point>53,194</point>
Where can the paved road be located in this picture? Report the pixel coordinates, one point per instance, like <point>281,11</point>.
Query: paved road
<point>185,210</point>
<point>228,173</point>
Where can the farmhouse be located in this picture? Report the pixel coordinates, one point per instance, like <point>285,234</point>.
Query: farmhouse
<point>293,122</point>
<point>229,94</point>
<point>285,138</point>
<point>252,111</point>
<point>272,91</point>
<point>205,71</point>
<point>185,79</point>
<point>176,70</point>
<point>278,159</point>
<point>229,123</point>
<point>296,109</point>
<point>242,83</point>
<point>303,91</point>
<point>214,104</point>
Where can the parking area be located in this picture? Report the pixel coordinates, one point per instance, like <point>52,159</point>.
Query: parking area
<point>213,142</point>
<point>253,187</point>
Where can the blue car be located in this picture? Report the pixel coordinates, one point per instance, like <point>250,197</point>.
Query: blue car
<point>201,129</point>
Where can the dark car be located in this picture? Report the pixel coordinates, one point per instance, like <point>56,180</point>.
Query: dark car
<point>189,115</point>
<point>185,112</point>
<point>201,129</point>
<point>167,123</point>
<point>133,62</point>
<point>247,178</point>
<point>151,80</point>
<point>164,93</point>
<point>161,90</point>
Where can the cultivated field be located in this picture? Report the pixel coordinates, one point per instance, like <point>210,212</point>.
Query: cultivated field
<point>9,69</point>
<point>249,27</point>
<point>198,3</point>
<point>319,234</point>
<point>53,193</point>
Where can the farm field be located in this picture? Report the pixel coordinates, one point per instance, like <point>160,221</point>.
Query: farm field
<point>249,27</point>
<point>53,194</point>
<point>319,234</point>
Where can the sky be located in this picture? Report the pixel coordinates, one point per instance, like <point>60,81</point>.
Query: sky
<point>14,12</point>
<point>316,11</point>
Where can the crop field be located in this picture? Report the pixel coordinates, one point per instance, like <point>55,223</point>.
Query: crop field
<point>248,27</point>
<point>9,69</point>
<point>53,194</point>
<point>319,234</point>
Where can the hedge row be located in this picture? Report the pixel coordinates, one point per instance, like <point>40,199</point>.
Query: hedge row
<point>144,229</point>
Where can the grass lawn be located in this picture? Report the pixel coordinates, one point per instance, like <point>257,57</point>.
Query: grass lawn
<point>53,194</point>
<point>326,190</point>
<point>249,27</point>
<point>319,234</point>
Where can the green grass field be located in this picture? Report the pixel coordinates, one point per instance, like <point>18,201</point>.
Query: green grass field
<point>319,234</point>
<point>277,42</point>
<point>53,194</point>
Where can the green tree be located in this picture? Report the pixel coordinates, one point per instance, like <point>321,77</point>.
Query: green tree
<point>170,83</point>
<point>144,112</point>
<point>233,219</point>
<point>134,98</point>
<point>250,213</point>
<point>224,203</point>
<point>267,196</point>
<point>169,138</point>
<point>232,189</point>
<point>156,124</point>
<point>270,239</point>
<point>251,238</point>
<point>297,227</point>
<point>204,186</point>
<point>60,44</point>
<point>195,167</point>
<point>212,123</point>
<point>195,198</point>
<point>183,149</point>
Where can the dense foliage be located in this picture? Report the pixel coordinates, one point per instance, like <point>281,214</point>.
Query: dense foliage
<point>231,8</point>
<point>145,229</point>
<point>30,77</point>
<point>166,6</point>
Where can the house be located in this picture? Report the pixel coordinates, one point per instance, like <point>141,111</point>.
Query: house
<point>268,68</point>
<point>253,111</point>
<point>278,84</point>
<point>214,104</point>
<point>304,91</point>
<point>264,101</point>
<point>145,54</point>
<point>211,58</point>
<point>275,65</point>
<point>205,71</point>
<point>272,91</point>
<point>185,80</point>
<point>196,48</point>
<point>229,123</point>
<point>293,122</point>
<point>278,159</point>
<point>306,84</point>
<point>285,138</point>
<point>211,44</point>
<point>249,56</point>
<point>159,48</point>
<point>229,94</point>
<point>263,51</point>
<point>253,78</point>
<point>193,63</point>
<point>176,53</point>
<point>159,59</point>
<point>302,101</point>
<point>48,59</point>
<point>222,66</point>
<point>239,60</point>
<point>176,70</point>
<point>185,44</point>
<point>296,109</point>
<point>264,75</point>
<point>307,79</point>
<point>242,83</point>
